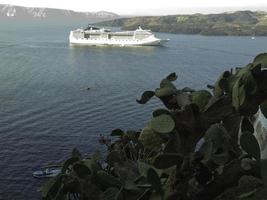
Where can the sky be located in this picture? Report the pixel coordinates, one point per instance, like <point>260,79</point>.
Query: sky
<point>146,7</point>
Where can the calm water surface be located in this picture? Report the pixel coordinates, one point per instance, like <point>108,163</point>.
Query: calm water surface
<point>45,109</point>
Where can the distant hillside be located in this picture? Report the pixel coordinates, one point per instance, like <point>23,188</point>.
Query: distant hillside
<point>236,23</point>
<point>20,13</point>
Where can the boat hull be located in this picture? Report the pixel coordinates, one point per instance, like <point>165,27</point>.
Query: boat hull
<point>47,172</point>
<point>114,43</point>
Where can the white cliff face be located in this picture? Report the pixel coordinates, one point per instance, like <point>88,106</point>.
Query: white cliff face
<point>103,14</point>
<point>37,12</point>
<point>10,11</point>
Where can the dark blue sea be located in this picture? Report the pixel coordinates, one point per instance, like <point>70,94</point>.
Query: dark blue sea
<point>46,109</point>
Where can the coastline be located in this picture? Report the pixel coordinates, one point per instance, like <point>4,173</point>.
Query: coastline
<point>239,23</point>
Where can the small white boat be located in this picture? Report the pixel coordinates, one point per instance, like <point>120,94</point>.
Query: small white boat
<point>95,36</point>
<point>47,172</point>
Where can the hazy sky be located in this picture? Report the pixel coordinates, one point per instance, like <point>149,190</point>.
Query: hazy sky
<point>146,7</point>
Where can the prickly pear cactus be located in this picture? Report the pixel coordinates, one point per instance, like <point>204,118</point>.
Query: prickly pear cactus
<point>150,139</point>
<point>162,123</point>
<point>201,98</point>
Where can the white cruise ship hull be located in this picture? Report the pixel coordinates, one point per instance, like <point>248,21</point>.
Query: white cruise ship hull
<point>103,40</point>
<point>110,42</point>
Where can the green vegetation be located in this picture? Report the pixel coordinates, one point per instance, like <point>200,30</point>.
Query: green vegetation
<point>197,147</point>
<point>237,23</point>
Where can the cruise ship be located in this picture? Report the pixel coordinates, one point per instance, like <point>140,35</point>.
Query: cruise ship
<point>95,36</point>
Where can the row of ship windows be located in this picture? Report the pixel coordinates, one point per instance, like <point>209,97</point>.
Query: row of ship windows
<point>107,39</point>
